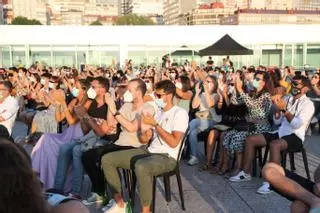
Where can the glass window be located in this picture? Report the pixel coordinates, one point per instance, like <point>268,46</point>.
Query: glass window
<point>41,54</point>
<point>18,56</point>
<point>5,59</point>
<point>288,55</point>
<point>313,55</point>
<point>298,55</point>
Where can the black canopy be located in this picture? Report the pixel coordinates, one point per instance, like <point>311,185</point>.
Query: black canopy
<point>184,51</point>
<point>226,46</point>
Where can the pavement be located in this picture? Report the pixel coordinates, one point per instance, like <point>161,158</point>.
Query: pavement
<point>207,193</point>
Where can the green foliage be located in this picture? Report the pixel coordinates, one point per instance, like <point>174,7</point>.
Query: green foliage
<point>96,23</point>
<point>20,20</point>
<point>133,20</point>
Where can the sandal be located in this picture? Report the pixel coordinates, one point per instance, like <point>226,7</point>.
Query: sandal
<point>214,170</point>
<point>205,167</point>
<point>223,172</point>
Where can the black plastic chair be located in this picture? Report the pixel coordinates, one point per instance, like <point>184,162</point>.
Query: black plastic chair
<point>291,157</point>
<point>166,180</point>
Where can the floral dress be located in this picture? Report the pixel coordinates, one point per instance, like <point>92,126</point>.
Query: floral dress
<point>259,109</point>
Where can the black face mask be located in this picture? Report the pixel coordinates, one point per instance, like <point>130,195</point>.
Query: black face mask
<point>295,91</point>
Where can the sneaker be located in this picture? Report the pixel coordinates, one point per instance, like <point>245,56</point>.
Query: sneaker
<point>240,177</point>
<point>264,189</point>
<point>109,205</point>
<point>94,198</point>
<point>193,161</point>
<point>116,209</point>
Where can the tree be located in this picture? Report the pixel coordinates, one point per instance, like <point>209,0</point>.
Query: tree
<point>96,23</point>
<point>133,20</point>
<point>20,20</point>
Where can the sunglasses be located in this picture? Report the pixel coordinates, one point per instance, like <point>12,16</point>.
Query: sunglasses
<point>295,84</point>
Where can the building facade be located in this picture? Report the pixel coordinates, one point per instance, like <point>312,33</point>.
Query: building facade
<point>207,16</point>
<point>25,8</point>
<point>295,45</point>
<point>257,17</point>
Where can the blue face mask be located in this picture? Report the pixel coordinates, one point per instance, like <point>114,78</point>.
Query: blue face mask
<point>160,103</point>
<point>75,92</point>
<point>255,84</point>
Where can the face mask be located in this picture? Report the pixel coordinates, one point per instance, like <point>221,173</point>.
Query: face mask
<point>255,84</point>
<point>51,85</point>
<point>91,93</point>
<point>231,89</point>
<point>127,97</point>
<point>75,92</point>
<point>173,75</point>
<point>148,86</point>
<point>160,103</point>
<point>179,85</point>
<point>43,82</point>
<point>295,91</point>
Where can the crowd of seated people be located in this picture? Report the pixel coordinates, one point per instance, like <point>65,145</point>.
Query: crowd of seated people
<point>101,119</point>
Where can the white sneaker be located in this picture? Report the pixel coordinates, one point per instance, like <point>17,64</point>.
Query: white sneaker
<point>116,209</point>
<point>264,189</point>
<point>94,198</point>
<point>240,177</point>
<point>109,205</point>
<point>193,161</point>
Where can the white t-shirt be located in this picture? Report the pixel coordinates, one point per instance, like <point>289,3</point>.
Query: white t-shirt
<point>176,119</point>
<point>8,110</point>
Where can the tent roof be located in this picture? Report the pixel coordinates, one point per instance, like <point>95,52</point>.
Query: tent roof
<point>226,46</point>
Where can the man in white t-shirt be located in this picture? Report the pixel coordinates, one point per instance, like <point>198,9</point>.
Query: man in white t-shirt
<point>169,127</point>
<point>8,106</point>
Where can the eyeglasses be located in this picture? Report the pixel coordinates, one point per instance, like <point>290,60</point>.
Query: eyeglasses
<point>160,95</point>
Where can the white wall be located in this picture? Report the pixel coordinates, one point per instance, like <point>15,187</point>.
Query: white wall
<point>157,35</point>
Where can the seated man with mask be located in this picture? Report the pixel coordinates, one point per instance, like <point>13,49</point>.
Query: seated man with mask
<point>294,116</point>
<point>169,127</point>
<point>129,117</point>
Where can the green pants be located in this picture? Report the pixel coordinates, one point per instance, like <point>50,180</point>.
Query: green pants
<point>145,166</point>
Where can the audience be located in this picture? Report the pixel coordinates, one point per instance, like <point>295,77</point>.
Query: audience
<point>138,123</point>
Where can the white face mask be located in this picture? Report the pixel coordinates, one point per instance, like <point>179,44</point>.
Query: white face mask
<point>179,85</point>
<point>91,93</point>
<point>127,97</point>
<point>148,86</point>
<point>51,85</point>
<point>43,82</point>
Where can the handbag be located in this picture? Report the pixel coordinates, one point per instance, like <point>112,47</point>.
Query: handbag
<point>206,115</point>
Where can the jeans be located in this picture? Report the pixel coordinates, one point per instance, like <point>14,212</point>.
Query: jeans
<point>145,166</point>
<point>69,152</point>
<point>196,126</point>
